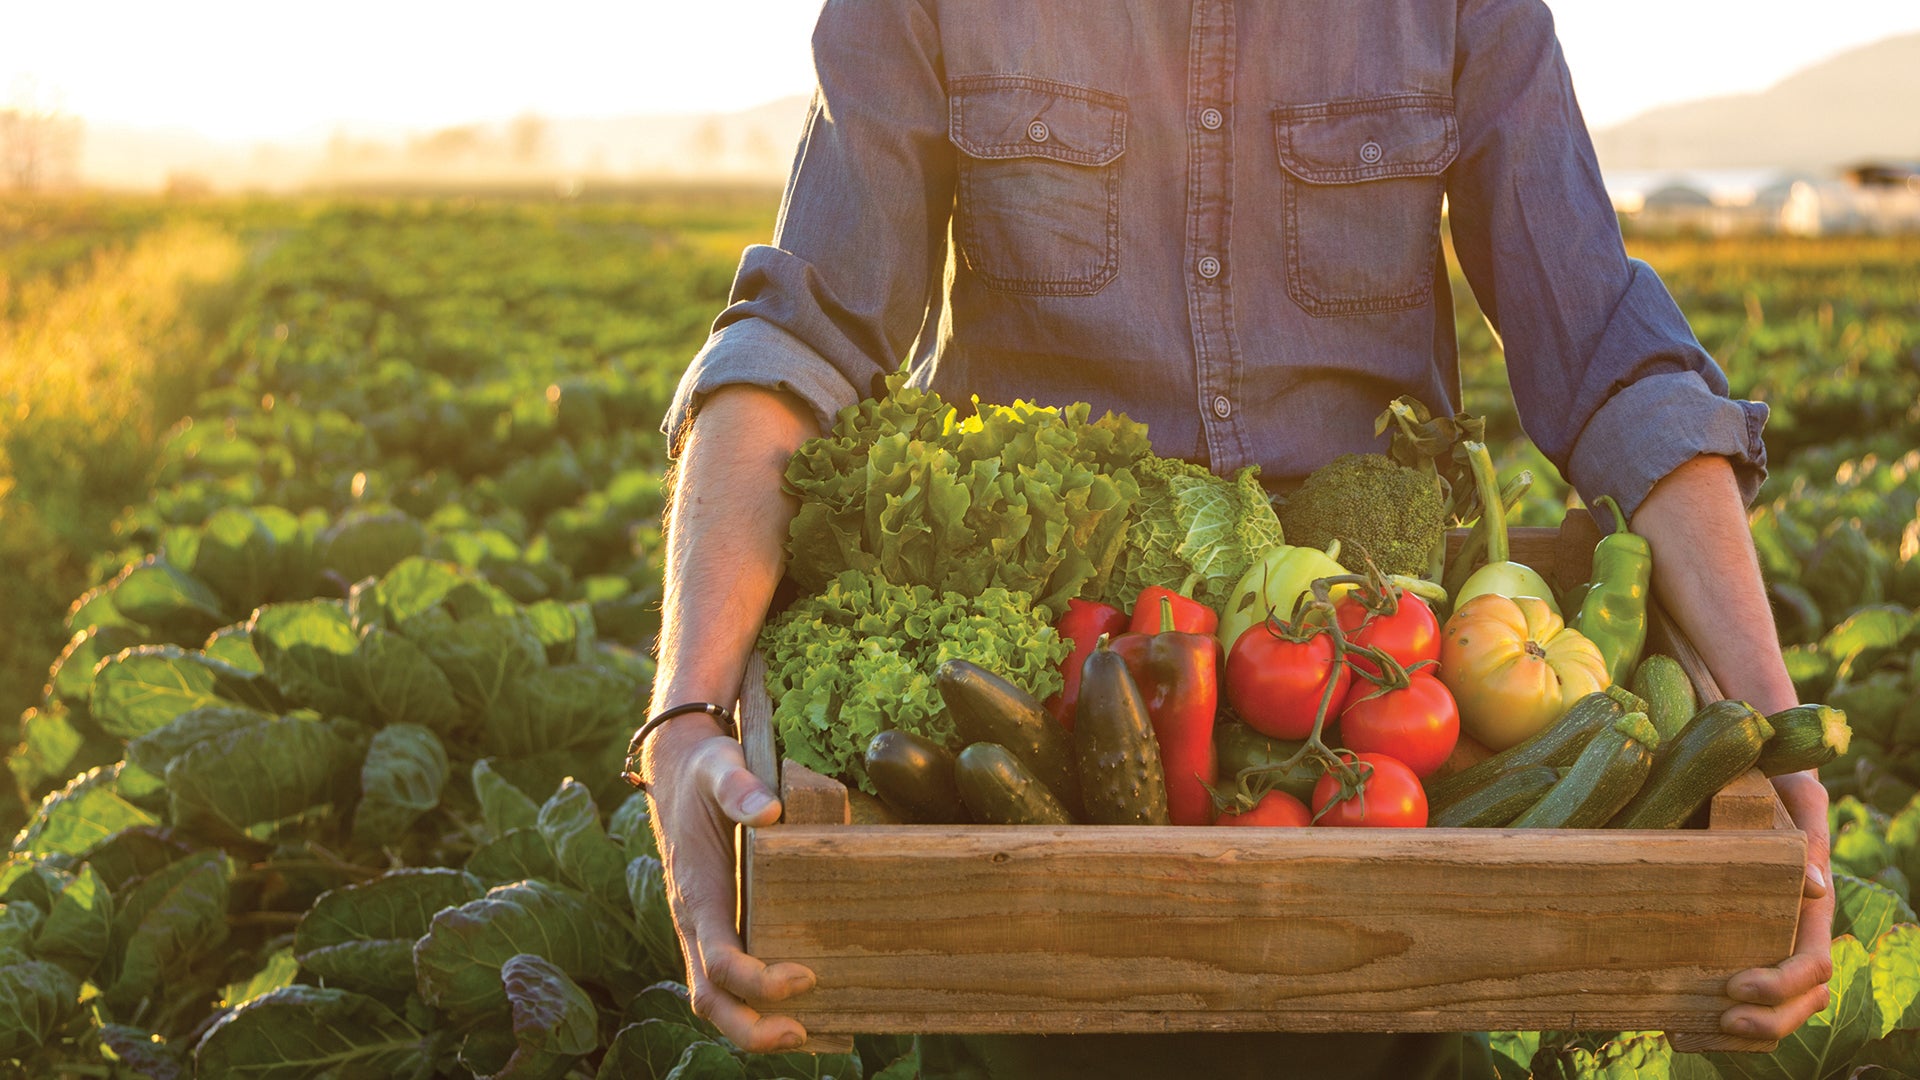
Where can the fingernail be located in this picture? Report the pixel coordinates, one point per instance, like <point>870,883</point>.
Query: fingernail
<point>789,1041</point>
<point>755,802</point>
<point>1814,875</point>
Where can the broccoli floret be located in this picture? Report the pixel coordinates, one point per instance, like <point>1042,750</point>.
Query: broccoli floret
<point>1375,507</point>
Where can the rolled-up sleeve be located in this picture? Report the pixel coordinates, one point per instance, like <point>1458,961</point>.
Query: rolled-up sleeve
<point>841,294</point>
<point>1609,379</point>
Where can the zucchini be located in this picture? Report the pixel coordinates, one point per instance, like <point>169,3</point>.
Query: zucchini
<point>1507,797</point>
<point>1121,778</point>
<point>999,789</point>
<point>1721,742</point>
<point>1559,744</point>
<point>1601,780</point>
<point>1668,692</point>
<point>914,776</point>
<point>1805,737</point>
<point>988,708</point>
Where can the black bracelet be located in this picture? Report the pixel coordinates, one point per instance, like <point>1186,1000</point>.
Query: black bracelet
<point>718,712</point>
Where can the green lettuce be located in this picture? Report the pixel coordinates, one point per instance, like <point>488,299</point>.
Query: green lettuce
<point>859,657</point>
<point>1192,532</point>
<point>1018,497</point>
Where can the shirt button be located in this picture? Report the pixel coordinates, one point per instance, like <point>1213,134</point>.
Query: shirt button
<point>1037,131</point>
<point>1222,408</point>
<point>1209,267</point>
<point>1370,152</point>
<point>1211,119</point>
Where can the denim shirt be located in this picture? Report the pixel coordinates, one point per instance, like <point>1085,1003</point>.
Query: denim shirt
<point>1222,218</point>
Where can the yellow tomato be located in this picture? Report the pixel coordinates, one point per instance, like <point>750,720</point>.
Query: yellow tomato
<point>1514,667</point>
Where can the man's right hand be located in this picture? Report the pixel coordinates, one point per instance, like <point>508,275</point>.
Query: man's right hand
<point>700,788</point>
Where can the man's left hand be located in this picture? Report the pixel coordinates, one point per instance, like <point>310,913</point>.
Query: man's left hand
<point>1775,1001</point>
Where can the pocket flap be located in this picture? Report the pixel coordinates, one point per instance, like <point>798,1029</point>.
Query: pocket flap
<point>1343,142</point>
<point>1014,116</point>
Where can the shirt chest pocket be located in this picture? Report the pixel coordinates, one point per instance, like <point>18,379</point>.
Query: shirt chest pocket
<point>1362,183</point>
<point>1038,206</point>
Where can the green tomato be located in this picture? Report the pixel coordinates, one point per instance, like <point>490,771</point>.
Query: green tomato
<point>1273,584</point>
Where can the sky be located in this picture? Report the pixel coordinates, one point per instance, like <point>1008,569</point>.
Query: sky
<point>296,69</point>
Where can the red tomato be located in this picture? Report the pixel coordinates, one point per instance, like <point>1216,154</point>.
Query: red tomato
<point>1409,635</point>
<point>1392,797</point>
<point>1276,685</point>
<point>1275,808</point>
<point>1418,724</point>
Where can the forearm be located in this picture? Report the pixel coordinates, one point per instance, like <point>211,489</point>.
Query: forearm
<point>1707,577</point>
<point>726,527</point>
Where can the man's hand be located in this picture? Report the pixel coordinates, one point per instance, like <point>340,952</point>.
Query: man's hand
<point>701,788</point>
<point>1777,1000</point>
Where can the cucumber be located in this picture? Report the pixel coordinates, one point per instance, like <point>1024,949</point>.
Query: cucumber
<point>1559,744</point>
<point>1238,747</point>
<point>988,708</point>
<point>1668,692</point>
<point>1721,742</point>
<point>1805,737</point>
<point>999,789</point>
<point>1507,797</point>
<point>1121,778</point>
<point>1601,780</point>
<point>914,776</point>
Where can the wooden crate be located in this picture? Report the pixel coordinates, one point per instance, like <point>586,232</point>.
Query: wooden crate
<point>1034,929</point>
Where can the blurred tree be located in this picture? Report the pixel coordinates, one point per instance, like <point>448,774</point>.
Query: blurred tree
<point>39,144</point>
<point>527,139</point>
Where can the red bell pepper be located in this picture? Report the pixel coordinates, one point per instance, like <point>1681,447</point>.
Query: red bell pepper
<point>1083,625</point>
<point>1177,672</point>
<point>1190,616</point>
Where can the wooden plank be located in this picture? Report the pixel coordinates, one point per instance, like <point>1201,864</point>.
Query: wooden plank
<point>1747,803</point>
<point>970,929</point>
<point>755,716</point>
<point>1700,1042</point>
<point>808,798</point>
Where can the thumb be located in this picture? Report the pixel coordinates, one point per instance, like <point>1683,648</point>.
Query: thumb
<point>742,797</point>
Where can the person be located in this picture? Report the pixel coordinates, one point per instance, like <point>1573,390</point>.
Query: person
<point>1222,218</point>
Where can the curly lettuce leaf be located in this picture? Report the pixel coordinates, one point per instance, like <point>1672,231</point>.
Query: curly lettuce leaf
<point>858,658</point>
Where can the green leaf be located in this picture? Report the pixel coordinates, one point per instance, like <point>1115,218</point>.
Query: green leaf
<point>20,923</point>
<point>72,674</point>
<point>554,1021</point>
<point>458,961</point>
<point>632,826</point>
<point>1824,1046</point>
<point>79,928</point>
<point>277,973</point>
<point>257,775</point>
<point>239,557</point>
<point>361,936</point>
<point>310,653</point>
<point>49,744</point>
<point>483,656</point>
<point>1866,909</point>
<point>156,750</point>
<point>503,806</point>
<point>1899,1051</point>
<point>161,595</point>
<point>647,892</point>
<point>559,627</point>
<point>556,708</point>
<point>80,815</point>
<point>302,1032</point>
<point>36,1000</point>
<point>1869,628</point>
<point>587,858</point>
<point>707,1061</point>
<point>1894,967</point>
<point>402,684</point>
<point>1645,1057</point>
<point>141,689</point>
<point>147,1055</point>
<point>362,545</point>
<point>401,779</point>
<point>233,646</point>
<point>134,853</point>
<point>1859,838</point>
<point>515,855</point>
<point>647,1050</point>
<point>165,922</point>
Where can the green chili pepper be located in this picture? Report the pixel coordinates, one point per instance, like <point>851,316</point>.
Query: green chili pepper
<point>1613,614</point>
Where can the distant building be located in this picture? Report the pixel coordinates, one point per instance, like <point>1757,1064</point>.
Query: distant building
<point>1869,197</point>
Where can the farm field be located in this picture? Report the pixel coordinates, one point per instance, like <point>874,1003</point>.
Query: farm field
<point>329,538</point>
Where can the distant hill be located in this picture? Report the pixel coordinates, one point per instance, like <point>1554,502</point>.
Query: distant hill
<point>1863,103</point>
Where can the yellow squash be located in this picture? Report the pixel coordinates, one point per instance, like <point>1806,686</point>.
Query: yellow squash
<point>1513,667</point>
